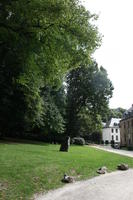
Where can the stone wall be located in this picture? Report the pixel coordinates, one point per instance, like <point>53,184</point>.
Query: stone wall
<point>126,131</point>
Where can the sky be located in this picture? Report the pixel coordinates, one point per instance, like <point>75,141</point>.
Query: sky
<point>115,23</point>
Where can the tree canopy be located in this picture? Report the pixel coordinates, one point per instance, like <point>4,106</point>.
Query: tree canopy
<point>113,113</point>
<point>89,91</point>
<point>39,42</point>
<point>42,44</point>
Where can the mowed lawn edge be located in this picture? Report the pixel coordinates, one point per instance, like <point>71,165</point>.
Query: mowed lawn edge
<point>27,169</point>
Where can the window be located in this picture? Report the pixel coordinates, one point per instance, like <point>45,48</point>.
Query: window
<point>116,130</point>
<point>112,137</point>
<point>115,124</point>
<point>112,130</point>
<point>116,137</point>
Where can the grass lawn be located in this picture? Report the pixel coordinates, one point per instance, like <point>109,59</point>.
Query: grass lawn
<point>26,169</point>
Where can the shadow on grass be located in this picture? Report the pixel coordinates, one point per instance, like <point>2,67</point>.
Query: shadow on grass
<point>15,141</point>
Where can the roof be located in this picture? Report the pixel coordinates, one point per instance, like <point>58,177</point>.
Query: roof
<point>113,122</point>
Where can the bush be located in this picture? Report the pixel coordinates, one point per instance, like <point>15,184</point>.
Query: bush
<point>106,142</point>
<point>78,141</point>
<point>87,142</point>
<point>102,142</point>
<point>96,137</point>
<point>112,143</point>
<point>130,148</point>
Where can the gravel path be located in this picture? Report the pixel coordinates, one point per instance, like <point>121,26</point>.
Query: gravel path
<point>117,151</point>
<point>112,186</point>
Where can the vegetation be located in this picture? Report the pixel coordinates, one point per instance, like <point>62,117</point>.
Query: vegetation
<point>27,169</point>
<point>113,113</point>
<point>78,141</point>
<point>39,42</point>
<point>43,44</point>
<point>89,91</point>
<point>50,86</point>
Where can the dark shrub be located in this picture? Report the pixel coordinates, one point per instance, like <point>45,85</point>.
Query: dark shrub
<point>112,143</point>
<point>96,137</point>
<point>106,142</point>
<point>87,142</point>
<point>102,142</point>
<point>130,148</point>
<point>78,141</point>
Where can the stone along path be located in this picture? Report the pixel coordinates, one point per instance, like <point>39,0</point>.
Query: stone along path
<point>112,186</point>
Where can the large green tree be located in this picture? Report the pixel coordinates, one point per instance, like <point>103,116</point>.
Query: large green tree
<point>40,41</point>
<point>89,91</point>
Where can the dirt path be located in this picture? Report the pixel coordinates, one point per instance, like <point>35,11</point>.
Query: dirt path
<point>112,186</point>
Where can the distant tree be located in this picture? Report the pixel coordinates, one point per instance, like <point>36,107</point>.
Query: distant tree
<point>88,94</point>
<point>88,123</point>
<point>113,113</point>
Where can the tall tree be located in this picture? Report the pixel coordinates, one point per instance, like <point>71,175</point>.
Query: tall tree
<point>89,90</point>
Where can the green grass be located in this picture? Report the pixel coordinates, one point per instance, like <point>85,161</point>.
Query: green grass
<point>26,169</point>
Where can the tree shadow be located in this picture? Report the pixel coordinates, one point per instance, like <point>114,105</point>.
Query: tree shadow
<point>16,141</point>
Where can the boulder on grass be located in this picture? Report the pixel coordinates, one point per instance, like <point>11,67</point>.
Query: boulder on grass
<point>122,166</point>
<point>65,144</point>
<point>67,179</point>
<point>102,170</point>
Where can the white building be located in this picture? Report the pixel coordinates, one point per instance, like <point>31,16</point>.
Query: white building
<point>111,130</point>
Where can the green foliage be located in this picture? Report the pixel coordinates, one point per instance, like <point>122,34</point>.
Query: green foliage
<point>116,113</point>
<point>53,118</point>
<point>78,141</point>
<point>102,142</point>
<point>113,113</point>
<point>39,42</point>
<point>130,148</point>
<point>89,91</point>
<point>88,122</point>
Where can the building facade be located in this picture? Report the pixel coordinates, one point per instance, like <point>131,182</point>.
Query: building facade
<point>126,128</point>
<point>111,131</point>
